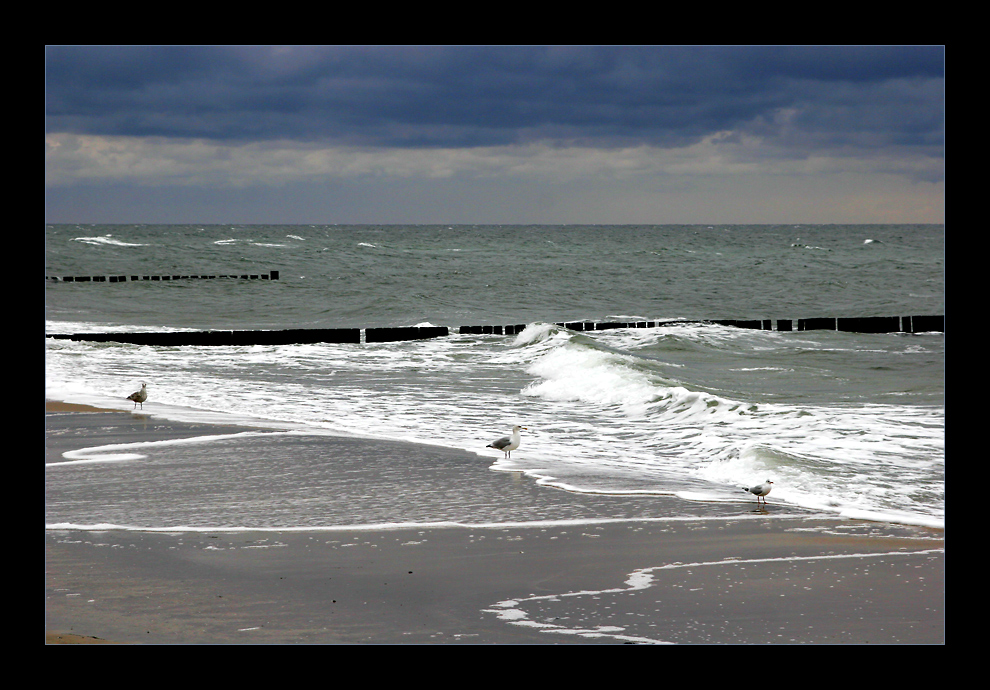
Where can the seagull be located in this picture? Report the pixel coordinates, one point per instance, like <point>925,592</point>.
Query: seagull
<point>139,396</point>
<point>507,444</point>
<point>760,490</point>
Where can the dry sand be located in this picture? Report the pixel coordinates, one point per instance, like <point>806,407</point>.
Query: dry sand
<point>752,580</point>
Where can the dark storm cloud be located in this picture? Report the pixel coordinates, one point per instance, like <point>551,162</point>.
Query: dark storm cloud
<point>811,97</point>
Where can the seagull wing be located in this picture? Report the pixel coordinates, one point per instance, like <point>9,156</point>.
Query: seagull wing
<point>501,443</point>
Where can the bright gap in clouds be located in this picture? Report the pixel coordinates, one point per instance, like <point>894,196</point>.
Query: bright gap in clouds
<point>723,178</point>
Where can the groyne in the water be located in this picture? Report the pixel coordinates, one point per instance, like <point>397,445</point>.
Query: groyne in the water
<point>271,275</point>
<point>296,336</point>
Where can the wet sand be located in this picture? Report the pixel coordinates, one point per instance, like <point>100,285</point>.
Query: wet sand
<point>752,580</point>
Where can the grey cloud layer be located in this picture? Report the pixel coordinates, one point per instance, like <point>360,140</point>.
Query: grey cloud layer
<point>803,99</point>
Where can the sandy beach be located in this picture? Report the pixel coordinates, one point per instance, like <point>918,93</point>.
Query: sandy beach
<point>746,579</point>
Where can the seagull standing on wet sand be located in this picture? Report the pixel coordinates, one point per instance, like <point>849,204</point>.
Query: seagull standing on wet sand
<point>507,444</point>
<point>139,396</point>
<point>760,490</point>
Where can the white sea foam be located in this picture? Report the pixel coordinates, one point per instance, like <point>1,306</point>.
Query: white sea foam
<point>517,611</point>
<point>395,526</point>
<point>120,452</point>
<point>108,240</point>
<point>600,418</point>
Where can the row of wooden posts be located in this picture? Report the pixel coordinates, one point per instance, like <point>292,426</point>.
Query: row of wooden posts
<point>271,275</point>
<point>296,336</point>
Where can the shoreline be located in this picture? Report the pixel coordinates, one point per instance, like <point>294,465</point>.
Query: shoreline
<point>758,580</point>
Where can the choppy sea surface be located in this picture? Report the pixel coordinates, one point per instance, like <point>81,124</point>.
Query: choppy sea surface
<point>845,424</point>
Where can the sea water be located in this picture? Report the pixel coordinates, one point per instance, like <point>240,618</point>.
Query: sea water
<point>845,424</point>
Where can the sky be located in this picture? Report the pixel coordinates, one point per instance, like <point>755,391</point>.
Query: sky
<point>494,134</point>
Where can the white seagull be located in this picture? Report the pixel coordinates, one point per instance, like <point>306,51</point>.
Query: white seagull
<point>507,444</point>
<point>760,490</point>
<point>139,396</point>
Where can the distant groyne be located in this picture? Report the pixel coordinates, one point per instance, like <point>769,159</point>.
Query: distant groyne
<point>130,278</point>
<point>298,336</point>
